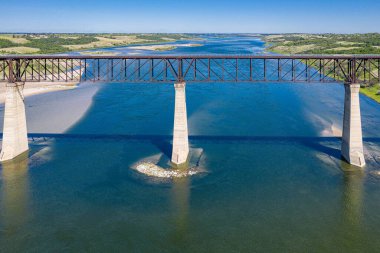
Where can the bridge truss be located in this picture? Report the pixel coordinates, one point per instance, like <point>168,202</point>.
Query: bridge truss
<point>213,68</point>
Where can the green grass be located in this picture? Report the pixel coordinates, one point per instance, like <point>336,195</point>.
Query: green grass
<point>372,92</point>
<point>325,43</point>
<point>6,43</point>
<point>165,48</point>
<point>54,44</point>
<point>57,43</point>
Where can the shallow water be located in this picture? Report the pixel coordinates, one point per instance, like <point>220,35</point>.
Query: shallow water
<point>274,181</point>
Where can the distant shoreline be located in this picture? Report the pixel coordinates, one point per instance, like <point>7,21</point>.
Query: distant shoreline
<point>65,43</point>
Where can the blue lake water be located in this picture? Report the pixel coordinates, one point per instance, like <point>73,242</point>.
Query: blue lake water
<point>273,180</point>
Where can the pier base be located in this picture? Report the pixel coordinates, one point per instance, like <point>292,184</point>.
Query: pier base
<point>352,140</point>
<point>180,151</point>
<point>15,139</point>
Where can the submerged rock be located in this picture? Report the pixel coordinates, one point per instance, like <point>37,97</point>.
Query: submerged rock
<point>154,170</point>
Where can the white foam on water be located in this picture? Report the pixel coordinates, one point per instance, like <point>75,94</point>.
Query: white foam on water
<point>149,166</point>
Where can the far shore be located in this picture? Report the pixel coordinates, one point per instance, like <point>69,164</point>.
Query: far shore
<point>164,47</point>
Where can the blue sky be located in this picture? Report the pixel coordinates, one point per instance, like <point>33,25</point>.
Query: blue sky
<point>194,16</point>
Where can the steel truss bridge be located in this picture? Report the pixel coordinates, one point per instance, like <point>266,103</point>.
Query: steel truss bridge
<point>364,69</point>
<point>353,70</point>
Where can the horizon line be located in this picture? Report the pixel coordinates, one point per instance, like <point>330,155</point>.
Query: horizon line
<point>200,33</point>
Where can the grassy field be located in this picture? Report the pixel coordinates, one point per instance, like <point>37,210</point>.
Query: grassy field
<point>327,44</point>
<point>372,92</point>
<point>61,43</point>
<point>323,43</point>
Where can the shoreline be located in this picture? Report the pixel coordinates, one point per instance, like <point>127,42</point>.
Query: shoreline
<point>84,43</point>
<point>164,47</point>
<point>157,47</point>
<point>32,89</point>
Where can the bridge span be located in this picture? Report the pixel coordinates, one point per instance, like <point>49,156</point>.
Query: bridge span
<point>352,70</point>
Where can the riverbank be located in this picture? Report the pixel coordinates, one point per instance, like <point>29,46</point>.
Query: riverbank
<point>323,43</point>
<point>372,92</point>
<point>31,89</point>
<point>164,47</point>
<point>135,50</point>
<point>61,43</point>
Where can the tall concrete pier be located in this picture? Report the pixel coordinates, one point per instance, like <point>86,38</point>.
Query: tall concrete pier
<point>180,132</point>
<point>15,140</point>
<point>352,140</point>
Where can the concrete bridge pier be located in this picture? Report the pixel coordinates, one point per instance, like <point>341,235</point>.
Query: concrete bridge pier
<point>180,150</point>
<point>352,140</point>
<point>15,139</point>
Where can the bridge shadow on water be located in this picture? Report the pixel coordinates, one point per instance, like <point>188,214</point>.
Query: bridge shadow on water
<point>163,142</point>
<point>216,113</point>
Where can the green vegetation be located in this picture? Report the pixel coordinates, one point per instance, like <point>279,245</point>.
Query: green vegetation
<point>165,48</point>
<point>6,43</point>
<point>55,43</point>
<point>61,43</point>
<point>324,43</point>
<point>372,92</point>
<point>158,37</point>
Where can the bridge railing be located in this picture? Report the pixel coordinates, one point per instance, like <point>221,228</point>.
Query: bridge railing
<point>164,69</point>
